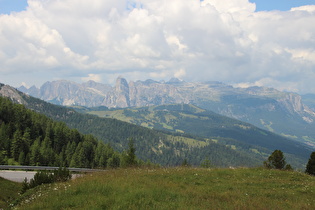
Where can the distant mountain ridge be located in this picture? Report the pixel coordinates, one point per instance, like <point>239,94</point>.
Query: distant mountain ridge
<point>221,147</point>
<point>267,108</point>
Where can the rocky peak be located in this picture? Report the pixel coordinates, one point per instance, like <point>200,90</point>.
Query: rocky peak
<point>121,85</point>
<point>12,93</point>
<point>174,81</point>
<point>22,88</point>
<point>149,82</point>
<point>122,93</point>
<point>102,89</point>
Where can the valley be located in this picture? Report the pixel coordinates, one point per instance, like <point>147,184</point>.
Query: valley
<point>284,113</point>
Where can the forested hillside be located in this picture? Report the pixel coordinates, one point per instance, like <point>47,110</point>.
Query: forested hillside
<point>30,138</point>
<point>156,146</point>
<point>190,119</point>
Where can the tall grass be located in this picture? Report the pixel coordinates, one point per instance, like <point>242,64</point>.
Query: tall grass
<point>9,191</point>
<point>183,188</point>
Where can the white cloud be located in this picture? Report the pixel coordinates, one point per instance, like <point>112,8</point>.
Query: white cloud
<point>308,8</point>
<point>223,40</point>
<point>180,73</point>
<point>94,77</point>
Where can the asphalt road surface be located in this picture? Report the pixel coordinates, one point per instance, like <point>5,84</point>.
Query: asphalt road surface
<point>17,176</point>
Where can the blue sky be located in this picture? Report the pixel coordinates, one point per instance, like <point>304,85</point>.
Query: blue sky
<point>7,6</point>
<point>215,40</point>
<point>282,5</point>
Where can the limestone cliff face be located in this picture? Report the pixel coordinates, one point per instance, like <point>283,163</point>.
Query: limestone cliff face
<point>122,93</point>
<point>70,93</point>
<point>293,103</point>
<point>244,104</point>
<point>153,93</point>
<point>9,92</point>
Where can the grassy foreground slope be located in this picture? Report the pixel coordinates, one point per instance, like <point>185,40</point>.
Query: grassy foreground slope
<point>9,191</point>
<point>182,188</point>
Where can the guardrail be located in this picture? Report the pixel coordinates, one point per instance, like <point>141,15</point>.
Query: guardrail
<point>40,168</point>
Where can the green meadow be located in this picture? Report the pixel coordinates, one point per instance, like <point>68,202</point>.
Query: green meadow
<point>177,188</point>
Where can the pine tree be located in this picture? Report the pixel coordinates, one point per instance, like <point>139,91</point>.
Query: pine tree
<point>2,159</point>
<point>114,161</point>
<point>35,156</point>
<point>310,167</point>
<point>21,159</point>
<point>16,145</point>
<point>276,160</point>
<point>130,155</point>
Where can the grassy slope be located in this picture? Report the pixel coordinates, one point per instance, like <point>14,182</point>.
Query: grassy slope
<point>8,192</point>
<point>196,121</point>
<point>183,188</point>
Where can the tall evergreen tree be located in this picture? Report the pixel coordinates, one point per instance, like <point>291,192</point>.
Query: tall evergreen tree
<point>310,167</point>
<point>35,155</point>
<point>17,144</point>
<point>114,161</point>
<point>276,160</point>
<point>130,154</point>
<point>2,159</point>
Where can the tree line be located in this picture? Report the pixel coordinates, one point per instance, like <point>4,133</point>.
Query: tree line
<point>277,161</point>
<point>30,138</point>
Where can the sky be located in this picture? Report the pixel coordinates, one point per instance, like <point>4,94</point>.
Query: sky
<point>239,42</point>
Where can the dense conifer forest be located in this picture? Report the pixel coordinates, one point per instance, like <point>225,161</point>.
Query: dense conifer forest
<point>30,138</point>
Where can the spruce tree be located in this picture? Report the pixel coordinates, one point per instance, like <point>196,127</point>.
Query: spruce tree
<point>130,155</point>
<point>114,161</point>
<point>16,145</point>
<point>276,160</point>
<point>310,167</point>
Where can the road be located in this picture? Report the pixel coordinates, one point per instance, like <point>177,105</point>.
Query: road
<point>17,176</point>
<point>20,172</point>
<point>38,168</point>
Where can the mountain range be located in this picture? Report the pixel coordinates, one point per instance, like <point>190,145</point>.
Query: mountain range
<point>224,141</point>
<point>280,112</point>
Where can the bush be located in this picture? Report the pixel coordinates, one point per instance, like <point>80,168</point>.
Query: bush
<point>41,177</point>
<point>61,175</point>
<point>46,177</point>
<point>206,163</point>
<point>25,186</point>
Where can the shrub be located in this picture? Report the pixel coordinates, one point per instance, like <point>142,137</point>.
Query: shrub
<point>25,186</point>
<point>61,175</point>
<point>46,177</point>
<point>41,177</point>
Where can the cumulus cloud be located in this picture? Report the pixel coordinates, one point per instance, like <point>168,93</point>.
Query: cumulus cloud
<point>196,40</point>
<point>93,77</point>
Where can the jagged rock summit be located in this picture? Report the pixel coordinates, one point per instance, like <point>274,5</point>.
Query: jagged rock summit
<point>267,108</point>
<point>150,92</point>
